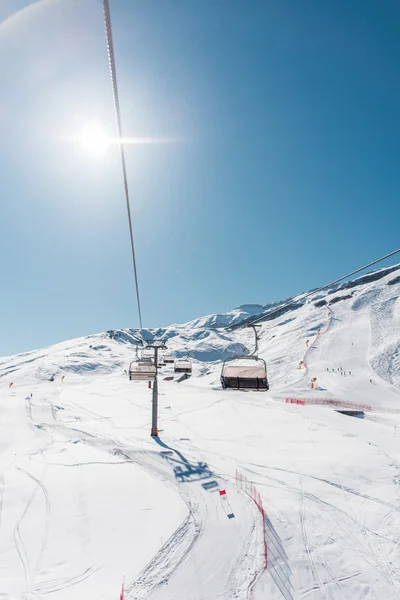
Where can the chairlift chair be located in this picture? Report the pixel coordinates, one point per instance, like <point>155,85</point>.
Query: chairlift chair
<point>245,373</point>
<point>182,366</point>
<point>142,371</point>
<point>168,357</point>
<point>146,360</point>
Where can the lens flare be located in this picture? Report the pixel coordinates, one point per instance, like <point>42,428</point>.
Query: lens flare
<point>94,140</point>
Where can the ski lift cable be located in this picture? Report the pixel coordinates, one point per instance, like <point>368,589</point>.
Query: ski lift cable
<point>113,74</point>
<point>267,315</point>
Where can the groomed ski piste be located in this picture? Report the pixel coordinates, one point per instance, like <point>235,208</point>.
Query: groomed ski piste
<point>88,499</point>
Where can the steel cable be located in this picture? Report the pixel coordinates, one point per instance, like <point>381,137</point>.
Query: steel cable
<point>113,73</point>
<point>273,312</point>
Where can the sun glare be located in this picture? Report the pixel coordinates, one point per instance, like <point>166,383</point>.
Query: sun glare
<point>94,140</point>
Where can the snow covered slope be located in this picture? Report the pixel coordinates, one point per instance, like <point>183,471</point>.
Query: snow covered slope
<point>88,498</point>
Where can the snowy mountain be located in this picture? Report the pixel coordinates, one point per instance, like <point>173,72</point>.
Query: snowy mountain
<point>88,498</point>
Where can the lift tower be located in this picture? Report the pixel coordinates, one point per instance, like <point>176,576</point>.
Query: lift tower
<point>156,345</point>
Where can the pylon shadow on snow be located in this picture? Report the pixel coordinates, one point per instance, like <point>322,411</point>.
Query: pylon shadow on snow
<point>184,470</point>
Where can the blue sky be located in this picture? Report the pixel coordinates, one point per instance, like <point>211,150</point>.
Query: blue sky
<point>281,171</point>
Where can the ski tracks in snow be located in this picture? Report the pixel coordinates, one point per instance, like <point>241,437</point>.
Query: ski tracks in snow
<point>369,551</point>
<point>2,484</point>
<point>158,571</point>
<point>56,585</point>
<point>309,549</point>
<point>220,543</point>
<point>19,544</point>
<point>29,570</point>
<point>213,554</point>
<point>47,514</point>
<point>320,585</point>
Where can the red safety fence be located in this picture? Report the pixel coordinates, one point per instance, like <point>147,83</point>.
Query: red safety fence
<point>248,486</point>
<point>276,559</point>
<point>342,404</point>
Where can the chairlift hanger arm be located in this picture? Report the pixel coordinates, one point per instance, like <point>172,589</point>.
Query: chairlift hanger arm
<point>256,338</point>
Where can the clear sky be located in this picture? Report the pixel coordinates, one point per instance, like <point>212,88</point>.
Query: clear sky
<point>280,171</point>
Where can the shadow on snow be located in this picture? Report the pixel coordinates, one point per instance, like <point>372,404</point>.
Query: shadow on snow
<point>184,470</point>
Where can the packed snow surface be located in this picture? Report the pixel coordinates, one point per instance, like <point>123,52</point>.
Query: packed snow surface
<point>88,499</point>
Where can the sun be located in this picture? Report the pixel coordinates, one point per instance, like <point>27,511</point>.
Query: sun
<point>94,140</point>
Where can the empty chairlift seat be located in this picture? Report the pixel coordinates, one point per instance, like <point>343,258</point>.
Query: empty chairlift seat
<point>183,366</point>
<point>247,373</point>
<point>168,359</point>
<point>146,360</point>
<point>142,371</point>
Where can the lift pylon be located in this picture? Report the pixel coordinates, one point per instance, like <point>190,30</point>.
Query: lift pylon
<point>156,345</point>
